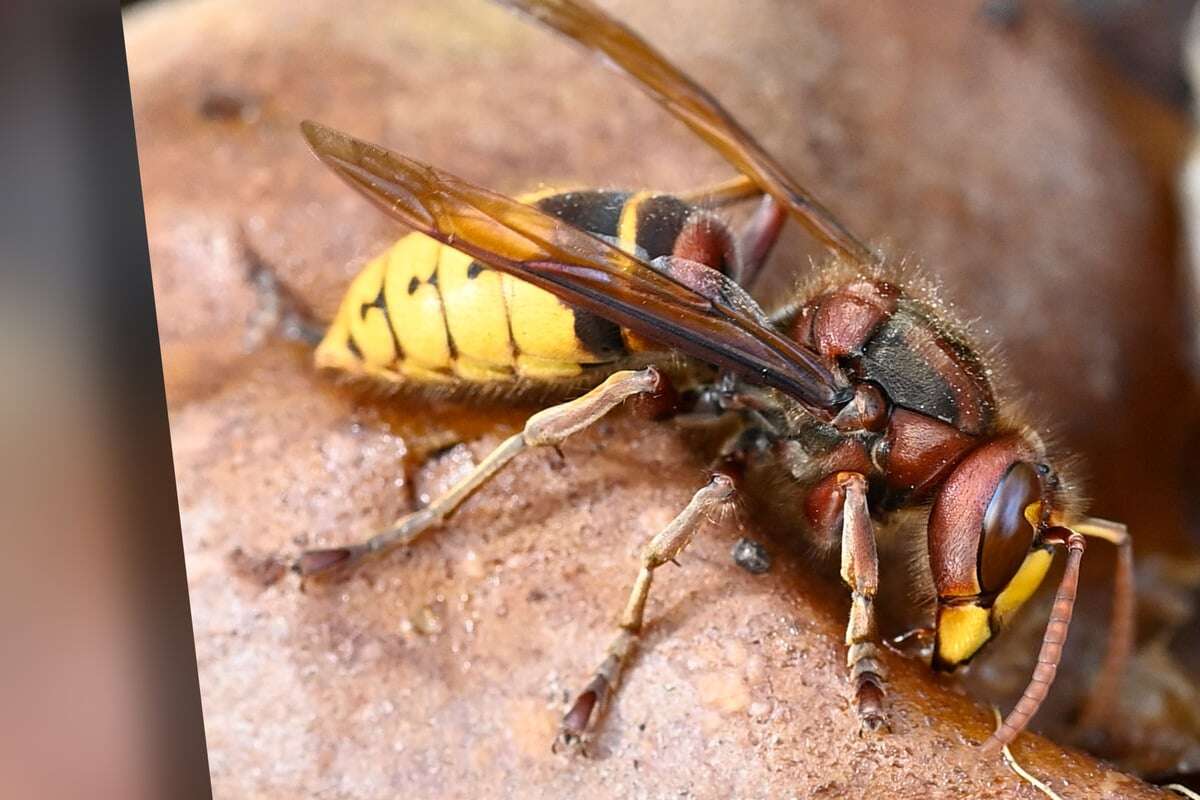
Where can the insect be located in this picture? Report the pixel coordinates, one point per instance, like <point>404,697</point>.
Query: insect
<point>859,394</point>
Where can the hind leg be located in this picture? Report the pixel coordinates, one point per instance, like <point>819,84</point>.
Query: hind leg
<point>548,428</point>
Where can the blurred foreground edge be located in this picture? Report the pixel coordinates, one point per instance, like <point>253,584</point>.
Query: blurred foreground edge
<point>98,683</point>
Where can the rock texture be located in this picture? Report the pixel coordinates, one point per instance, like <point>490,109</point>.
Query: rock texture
<point>986,149</point>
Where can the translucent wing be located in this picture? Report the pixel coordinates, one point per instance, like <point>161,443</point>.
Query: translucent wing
<point>696,108</point>
<point>716,322</point>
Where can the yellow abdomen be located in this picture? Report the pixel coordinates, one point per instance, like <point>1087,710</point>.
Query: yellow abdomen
<point>427,313</point>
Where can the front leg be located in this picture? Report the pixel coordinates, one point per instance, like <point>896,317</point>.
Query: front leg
<point>860,572</point>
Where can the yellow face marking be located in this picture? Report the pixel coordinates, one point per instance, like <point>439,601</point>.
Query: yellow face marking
<point>417,316</point>
<point>961,631</point>
<point>473,300</point>
<point>1022,586</point>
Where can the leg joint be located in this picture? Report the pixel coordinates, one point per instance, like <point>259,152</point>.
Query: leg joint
<point>551,426</point>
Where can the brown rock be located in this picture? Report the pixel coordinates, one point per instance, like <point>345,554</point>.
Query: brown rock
<point>987,150</point>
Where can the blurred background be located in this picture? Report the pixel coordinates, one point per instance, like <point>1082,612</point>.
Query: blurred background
<point>99,683</point>
<point>98,678</point>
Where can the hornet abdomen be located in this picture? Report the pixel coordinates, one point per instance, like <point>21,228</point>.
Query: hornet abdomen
<point>426,313</point>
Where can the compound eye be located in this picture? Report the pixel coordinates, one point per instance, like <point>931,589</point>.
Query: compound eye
<point>1007,534</point>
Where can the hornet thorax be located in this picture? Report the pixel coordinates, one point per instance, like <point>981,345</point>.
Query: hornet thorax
<point>922,398</point>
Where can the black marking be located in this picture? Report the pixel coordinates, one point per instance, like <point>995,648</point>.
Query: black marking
<point>413,284</point>
<point>381,304</point>
<point>907,377</point>
<point>378,302</point>
<point>595,211</point>
<point>598,336</point>
<point>433,281</point>
<point>512,340</point>
<point>659,220</point>
<point>474,270</point>
<point>352,346</point>
<point>599,213</point>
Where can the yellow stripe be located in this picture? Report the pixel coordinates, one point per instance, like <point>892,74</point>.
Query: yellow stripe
<point>476,317</point>
<point>541,325</point>
<point>627,227</point>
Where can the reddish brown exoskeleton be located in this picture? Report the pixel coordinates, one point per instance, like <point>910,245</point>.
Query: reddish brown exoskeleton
<point>861,392</point>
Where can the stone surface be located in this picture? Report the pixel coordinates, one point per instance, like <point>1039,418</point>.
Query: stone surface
<point>991,153</point>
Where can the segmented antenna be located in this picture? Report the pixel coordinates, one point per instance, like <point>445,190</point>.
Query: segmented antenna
<point>1048,656</point>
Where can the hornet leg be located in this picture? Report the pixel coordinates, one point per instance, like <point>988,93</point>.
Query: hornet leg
<point>664,547</point>
<point>725,193</point>
<point>546,428</point>
<point>757,238</point>
<point>860,572</point>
